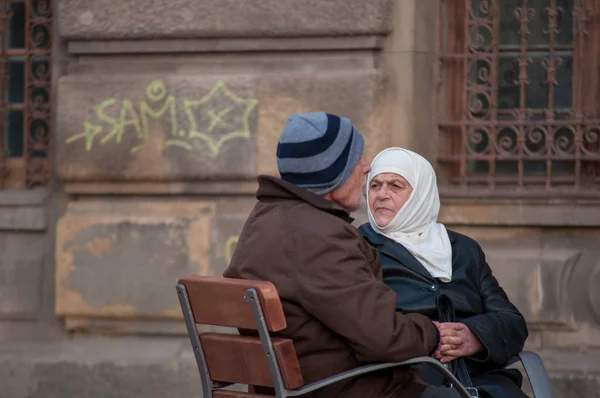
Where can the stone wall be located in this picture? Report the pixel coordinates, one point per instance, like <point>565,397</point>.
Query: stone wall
<point>164,123</point>
<point>166,112</point>
<point>25,248</point>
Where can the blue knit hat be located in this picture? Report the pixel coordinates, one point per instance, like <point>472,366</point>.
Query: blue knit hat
<point>318,151</point>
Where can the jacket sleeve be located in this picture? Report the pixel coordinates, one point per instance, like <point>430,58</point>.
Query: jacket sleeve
<point>337,285</point>
<point>501,328</point>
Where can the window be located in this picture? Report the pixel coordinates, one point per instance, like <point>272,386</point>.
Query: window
<point>519,98</point>
<point>25,106</point>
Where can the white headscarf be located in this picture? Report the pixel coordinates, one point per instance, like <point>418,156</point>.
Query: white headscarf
<point>415,225</point>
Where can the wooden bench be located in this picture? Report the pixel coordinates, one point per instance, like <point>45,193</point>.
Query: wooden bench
<point>260,360</point>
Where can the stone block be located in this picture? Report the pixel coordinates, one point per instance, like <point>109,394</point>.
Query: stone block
<point>536,281</point>
<point>594,293</point>
<point>534,341</point>
<point>402,38</point>
<point>358,95</point>
<point>106,19</point>
<point>117,261</point>
<point>225,236</point>
<point>18,197</point>
<point>403,90</point>
<point>99,367</point>
<point>586,336</point>
<point>186,128</point>
<point>23,218</point>
<point>425,38</point>
<point>423,103</point>
<point>123,258</point>
<point>151,128</point>
<point>21,270</point>
<point>573,374</point>
<point>575,386</point>
<point>513,214</point>
<point>23,210</point>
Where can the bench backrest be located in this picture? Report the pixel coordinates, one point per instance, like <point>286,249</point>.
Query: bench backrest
<point>229,358</point>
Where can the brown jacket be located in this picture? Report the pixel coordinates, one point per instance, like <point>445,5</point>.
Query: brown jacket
<point>339,313</point>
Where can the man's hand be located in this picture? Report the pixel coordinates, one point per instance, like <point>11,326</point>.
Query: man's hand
<point>456,340</point>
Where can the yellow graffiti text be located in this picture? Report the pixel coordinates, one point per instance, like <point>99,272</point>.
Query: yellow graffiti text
<point>210,121</point>
<point>230,247</point>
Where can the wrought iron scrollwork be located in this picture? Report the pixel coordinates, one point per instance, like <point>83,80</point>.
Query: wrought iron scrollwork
<point>513,112</point>
<point>26,37</point>
<point>39,93</point>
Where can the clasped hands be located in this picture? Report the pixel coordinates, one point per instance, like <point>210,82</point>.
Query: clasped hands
<point>456,340</point>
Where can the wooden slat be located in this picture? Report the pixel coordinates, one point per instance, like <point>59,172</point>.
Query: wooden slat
<point>234,394</point>
<point>241,359</point>
<point>220,301</point>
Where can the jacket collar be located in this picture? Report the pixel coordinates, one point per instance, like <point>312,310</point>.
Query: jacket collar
<point>272,188</point>
<point>396,250</point>
<point>377,239</point>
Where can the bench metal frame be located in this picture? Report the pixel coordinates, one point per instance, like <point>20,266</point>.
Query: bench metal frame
<point>531,361</point>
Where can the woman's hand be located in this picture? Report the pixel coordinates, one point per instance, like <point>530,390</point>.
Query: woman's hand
<point>456,340</point>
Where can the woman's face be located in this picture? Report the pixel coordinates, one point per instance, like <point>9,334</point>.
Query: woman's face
<point>388,192</point>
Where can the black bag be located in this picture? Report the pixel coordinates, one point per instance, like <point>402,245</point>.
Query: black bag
<point>458,367</point>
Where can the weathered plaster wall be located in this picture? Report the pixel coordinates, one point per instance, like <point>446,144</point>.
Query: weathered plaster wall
<point>164,123</point>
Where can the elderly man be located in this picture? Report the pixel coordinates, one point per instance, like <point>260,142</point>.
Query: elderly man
<point>339,313</point>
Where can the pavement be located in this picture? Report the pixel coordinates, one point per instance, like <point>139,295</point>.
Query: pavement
<point>128,367</point>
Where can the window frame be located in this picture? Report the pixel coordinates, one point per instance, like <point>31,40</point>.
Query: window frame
<point>33,167</point>
<point>453,118</point>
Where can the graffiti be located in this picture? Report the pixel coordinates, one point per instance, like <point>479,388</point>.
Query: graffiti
<point>230,247</point>
<point>217,117</point>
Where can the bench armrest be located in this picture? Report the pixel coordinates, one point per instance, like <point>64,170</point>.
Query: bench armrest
<point>536,372</point>
<point>376,367</point>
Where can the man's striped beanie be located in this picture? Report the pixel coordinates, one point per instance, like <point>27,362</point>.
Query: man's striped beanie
<point>318,151</point>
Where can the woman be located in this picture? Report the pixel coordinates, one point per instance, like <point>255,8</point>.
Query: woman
<point>427,264</point>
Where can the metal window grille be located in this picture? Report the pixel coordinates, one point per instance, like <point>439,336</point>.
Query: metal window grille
<point>25,93</point>
<point>518,98</point>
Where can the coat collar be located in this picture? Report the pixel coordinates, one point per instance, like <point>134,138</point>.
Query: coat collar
<point>272,188</point>
<point>397,251</point>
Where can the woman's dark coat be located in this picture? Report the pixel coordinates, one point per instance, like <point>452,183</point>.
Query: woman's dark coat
<point>479,302</point>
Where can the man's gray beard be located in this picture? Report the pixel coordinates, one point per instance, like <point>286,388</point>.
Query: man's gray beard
<point>362,202</point>
<point>363,199</point>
